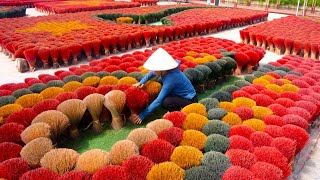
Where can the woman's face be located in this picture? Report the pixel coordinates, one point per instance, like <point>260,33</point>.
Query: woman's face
<point>159,73</point>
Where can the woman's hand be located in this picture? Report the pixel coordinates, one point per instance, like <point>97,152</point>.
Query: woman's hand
<point>135,119</point>
<point>138,85</point>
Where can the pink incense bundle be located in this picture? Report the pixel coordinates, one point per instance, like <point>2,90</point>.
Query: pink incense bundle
<point>123,41</point>
<point>114,43</point>
<point>147,37</point>
<point>9,48</point>
<point>205,27</point>
<point>45,105</point>
<point>246,37</point>
<point>306,49</point>
<point>242,37</point>
<point>264,41</point>
<point>43,53</point>
<point>87,47</point>
<point>137,36</point>
<point>314,50</point>
<point>65,54</point>
<point>319,50</point>
<point>96,48</point>
<point>270,43</point>
<point>65,96</point>
<point>177,31</point>
<point>31,58</point>
<point>168,34</point>
<point>75,51</point>
<point>254,60</point>
<point>190,30</point>
<point>130,40</point>
<point>252,38</point>
<point>106,44</point>
<point>297,45</point>
<point>197,29</point>
<point>279,45</point>
<point>183,31</point>
<point>137,99</point>
<point>54,52</point>
<point>242,59</point>
<point>288,43</point>
<point>154,34</point>
<point>19,52</point>
<point>259,40</point>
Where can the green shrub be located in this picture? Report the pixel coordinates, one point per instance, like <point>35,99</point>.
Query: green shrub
<point>102,74</point>
<point>241,83</point>
<point>119,74</point>
<point>55,83</point>
<point>216,127</point>
<point>38,87</point>
<point>199,173</point>
<point>87,74</point>
<point>217,142</point>
<point>217,162</point>
<point>216,113</point>
<point>249,78</point>
<point>137,75</point>
<point>209,103</point>
<point>4,100</point>
<point>230,88</point>
<point>221,96</point>
<point>72,78</point>
<point>20,92</point>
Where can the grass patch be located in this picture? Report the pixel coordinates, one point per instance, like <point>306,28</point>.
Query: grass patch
<point>104,140</point>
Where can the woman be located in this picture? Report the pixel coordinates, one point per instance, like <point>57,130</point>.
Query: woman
<point>177,90</point>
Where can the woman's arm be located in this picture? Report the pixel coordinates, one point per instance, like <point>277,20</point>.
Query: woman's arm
<point>166,89</point>
<point>147,77</point>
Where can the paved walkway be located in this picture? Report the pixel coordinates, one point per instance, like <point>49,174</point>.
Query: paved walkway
<point>273,10</point>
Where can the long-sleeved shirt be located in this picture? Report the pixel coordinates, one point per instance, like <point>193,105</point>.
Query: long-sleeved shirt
<point>174,83</point>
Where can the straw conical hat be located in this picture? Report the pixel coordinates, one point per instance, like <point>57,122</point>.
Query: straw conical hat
<point>160,60</point>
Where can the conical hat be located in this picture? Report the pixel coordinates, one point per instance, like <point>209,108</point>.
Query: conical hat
<point>160,60</point>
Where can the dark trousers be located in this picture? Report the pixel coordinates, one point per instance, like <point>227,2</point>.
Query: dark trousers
<point>175,103</point>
